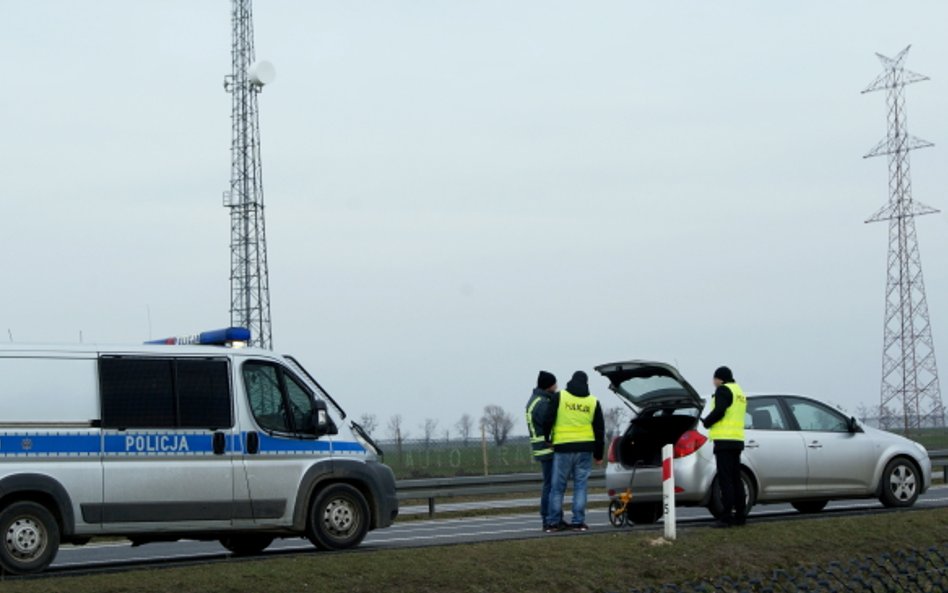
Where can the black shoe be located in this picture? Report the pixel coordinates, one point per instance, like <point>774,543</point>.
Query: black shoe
<point>740,522</point>
<point>555,528</point>
<point>579,527</point>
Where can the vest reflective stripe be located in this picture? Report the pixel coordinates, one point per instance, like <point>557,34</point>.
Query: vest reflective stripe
<point>731,427</point>
<point>537,442</point>
<point>574,419</point>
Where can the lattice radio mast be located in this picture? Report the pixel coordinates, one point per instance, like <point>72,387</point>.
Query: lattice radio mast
<point>909,372</point>
<point>249,281</point>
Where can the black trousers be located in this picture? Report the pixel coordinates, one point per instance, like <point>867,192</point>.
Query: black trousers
<point>732,487</point>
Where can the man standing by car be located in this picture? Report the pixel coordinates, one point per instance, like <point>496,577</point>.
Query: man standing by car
<point>575,425</point>
<point>725,424</point>
<point>538,406</point>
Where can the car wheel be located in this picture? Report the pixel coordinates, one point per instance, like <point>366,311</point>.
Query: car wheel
<point>247,544</point>
<point>900,484</point>
<point>644,513</point>
<point>716,506</point>
<point>338,518</point>
<point>30,538</point>
<point>809,506</point>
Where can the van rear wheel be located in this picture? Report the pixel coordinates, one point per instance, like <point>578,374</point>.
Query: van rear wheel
<point>246,544</point>
<point>30,538</point>
<point>338,518</point>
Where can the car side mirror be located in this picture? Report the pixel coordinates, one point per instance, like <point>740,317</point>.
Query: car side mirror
<point>852,425</point>
<point>322,422</point>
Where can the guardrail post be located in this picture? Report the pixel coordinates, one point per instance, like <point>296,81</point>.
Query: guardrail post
<point>431,507</point>
<point>668,492</point>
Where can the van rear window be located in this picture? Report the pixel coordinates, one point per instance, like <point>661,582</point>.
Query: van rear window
<point>164,393</point>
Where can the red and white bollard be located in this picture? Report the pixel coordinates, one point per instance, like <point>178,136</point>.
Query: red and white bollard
<point>668,491</point>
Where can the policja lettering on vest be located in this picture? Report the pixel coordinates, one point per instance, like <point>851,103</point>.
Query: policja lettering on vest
<point>731,427</point>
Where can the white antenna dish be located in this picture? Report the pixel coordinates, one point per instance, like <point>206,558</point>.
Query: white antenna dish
<point>261,72</point>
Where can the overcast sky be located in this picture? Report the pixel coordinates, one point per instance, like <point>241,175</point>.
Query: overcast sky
<point>461,193</point>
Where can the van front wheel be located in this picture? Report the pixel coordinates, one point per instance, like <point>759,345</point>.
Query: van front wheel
<point>30,538</point>
<point>338,518</point>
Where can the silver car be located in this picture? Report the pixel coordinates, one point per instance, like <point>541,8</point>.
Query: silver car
<point>797,450</point>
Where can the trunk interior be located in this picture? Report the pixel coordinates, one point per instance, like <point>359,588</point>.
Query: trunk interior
<point>643,441</point>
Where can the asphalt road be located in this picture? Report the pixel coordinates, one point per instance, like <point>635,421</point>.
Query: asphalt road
<point>422,533</point>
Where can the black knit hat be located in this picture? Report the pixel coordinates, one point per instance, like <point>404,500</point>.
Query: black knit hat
<point>579,384</point>
<point>724,374</point>
<point>545,380</point>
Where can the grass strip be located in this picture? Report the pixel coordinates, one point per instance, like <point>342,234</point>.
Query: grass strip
<point>607,560</point>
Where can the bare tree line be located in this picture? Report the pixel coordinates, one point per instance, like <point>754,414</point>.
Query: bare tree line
<point>495,422</point>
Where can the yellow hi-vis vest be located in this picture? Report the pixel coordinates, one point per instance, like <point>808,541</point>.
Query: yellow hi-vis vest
<point>537,441</point>
<point>731,427</point>
<point>574,419</point>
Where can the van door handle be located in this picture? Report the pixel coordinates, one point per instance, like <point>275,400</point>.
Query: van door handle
<point>253,442</point>
<point>220,443</point>
<point>752,445</point>
<point>815,445</point>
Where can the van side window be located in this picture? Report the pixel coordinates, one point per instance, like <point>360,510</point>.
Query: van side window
<point>164,393</point>
<point>301,404</point>
<point>266,400</point>
<point>278,401</point>
<point>203,389</point>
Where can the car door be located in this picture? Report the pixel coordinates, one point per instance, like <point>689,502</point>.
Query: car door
<point>280,445</point>
<point>774,452</point>
<point>839,461</point>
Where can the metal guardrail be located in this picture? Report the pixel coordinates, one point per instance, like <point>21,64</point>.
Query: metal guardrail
<point>940,460</point>
<point>431,489</point>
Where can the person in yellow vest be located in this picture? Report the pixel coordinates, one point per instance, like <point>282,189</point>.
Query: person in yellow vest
<point>538,406</point>
<point>725,424</point>
<point>576,428</point>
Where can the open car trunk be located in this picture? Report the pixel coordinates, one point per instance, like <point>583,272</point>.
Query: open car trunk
<point>646,435</point>
<point>667,406</point>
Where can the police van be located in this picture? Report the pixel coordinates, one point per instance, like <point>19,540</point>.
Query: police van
<point>187,438</point>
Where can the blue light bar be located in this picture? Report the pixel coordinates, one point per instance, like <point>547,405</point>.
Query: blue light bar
<point>215,337</point>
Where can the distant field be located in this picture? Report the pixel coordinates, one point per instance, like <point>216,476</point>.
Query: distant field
<point>456,458</point>
<point>932,438</point>
<point>605,560</point>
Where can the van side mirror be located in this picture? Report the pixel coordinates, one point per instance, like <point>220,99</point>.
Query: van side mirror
<point>322,422</point>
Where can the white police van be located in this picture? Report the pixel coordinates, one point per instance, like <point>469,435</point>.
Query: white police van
<point>180,439</point>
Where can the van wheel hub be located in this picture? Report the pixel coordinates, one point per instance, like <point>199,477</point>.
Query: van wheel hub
<point>339,517</point>
<point>25,538</point>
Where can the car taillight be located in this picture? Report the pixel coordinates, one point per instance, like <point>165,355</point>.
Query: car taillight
<point>689,442</point>
<point>613,450</point>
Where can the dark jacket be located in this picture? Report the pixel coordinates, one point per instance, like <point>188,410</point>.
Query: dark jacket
<point>723,398</point>
<point>538,416</point>
<point>579,388</point>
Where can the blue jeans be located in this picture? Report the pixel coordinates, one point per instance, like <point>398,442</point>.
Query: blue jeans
<point>546,466</point>
<point>564,464</point>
